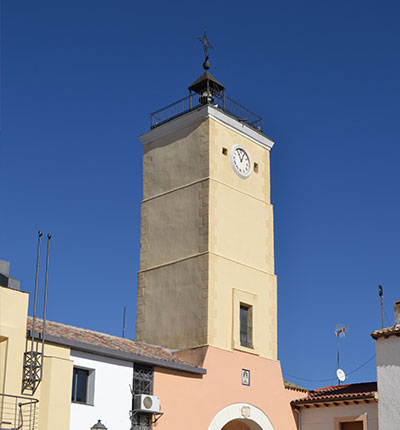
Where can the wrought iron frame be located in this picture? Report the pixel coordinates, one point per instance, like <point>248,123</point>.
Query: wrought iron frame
<point>15,414</point>
<point>142,384</point>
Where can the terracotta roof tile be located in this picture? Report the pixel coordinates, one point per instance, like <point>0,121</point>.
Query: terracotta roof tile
<point>105,340</point>
<point>292,386</point>
<point>340,392</point>
<point>385,332</point>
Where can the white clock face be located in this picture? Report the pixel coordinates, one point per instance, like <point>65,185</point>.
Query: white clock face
<point>241,161</point>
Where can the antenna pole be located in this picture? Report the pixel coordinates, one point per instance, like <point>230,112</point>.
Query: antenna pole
<point>123,322</point>
<point>381,296</point>
<point>338,355</point>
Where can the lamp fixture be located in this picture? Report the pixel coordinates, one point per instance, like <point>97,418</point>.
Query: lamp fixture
<point>99,426</point>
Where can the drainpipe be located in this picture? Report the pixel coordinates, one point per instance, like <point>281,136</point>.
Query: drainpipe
<point>298,410</point>
<point>300,425</point>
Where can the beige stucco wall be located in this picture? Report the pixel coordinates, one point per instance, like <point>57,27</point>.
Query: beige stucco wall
<point>323,418</point>
<point>196,400</point>
<point>241,245</point>
<point>205,233</point>
<point>54,392</point>
<point>232,284</point>
<point>13,311</point>
<point>256,185</point>
<point>172,293</point>
<point>172,304</point>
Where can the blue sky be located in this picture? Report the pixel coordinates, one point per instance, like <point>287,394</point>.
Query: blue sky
<point>78,82</point>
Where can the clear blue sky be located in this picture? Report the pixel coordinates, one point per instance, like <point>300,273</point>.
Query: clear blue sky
<point>78,82</point>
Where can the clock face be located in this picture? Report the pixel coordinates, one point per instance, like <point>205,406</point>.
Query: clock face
<point>241,161</point>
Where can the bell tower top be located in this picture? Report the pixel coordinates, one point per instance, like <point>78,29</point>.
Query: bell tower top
<point>206,90</point>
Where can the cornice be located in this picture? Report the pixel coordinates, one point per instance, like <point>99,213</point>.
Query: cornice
<point>200,114</point>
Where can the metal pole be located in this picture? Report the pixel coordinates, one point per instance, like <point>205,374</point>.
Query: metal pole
<point>123,322</point>
<point>40,234</point>
<point>381,296</point>
<point>45,293</point>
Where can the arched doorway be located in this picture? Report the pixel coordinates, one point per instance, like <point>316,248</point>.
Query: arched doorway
<point>240,416</point>
<point>241,425</point>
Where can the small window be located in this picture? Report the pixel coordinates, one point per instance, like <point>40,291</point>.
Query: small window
<point>225,151</point>
<point>83,386</point>
<point>246,326</point>
<point>255,167</point>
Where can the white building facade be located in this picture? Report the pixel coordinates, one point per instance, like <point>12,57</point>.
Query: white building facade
<point>108,396</point>
<point>388,372</point>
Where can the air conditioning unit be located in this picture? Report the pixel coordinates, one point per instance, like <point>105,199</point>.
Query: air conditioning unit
<point>146,403</point>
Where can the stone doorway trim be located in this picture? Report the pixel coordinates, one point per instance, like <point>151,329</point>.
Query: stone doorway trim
<point>243,412</point>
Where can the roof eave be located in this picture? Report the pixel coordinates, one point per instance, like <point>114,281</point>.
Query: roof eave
<point>386,332</point>
<point>123,355</point>
<point>352,399</point>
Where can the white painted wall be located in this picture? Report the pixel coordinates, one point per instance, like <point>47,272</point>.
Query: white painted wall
<point>388,369</point>
<point>322,418</point>
<point>112,396</point>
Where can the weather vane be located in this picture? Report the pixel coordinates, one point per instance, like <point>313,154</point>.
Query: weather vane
<point>206,45</point>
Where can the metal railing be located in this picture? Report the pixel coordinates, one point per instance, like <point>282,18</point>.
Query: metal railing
<point>18,413</point>
<point>193,101</point>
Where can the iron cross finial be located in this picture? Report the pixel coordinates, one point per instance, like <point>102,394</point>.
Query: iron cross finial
<point>206,44</point>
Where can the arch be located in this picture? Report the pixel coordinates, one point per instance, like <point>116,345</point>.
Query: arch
<point>244,424</point>
<point>243,412</point>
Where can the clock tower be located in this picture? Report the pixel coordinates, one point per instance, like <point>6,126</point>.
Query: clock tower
<point>207,246</point>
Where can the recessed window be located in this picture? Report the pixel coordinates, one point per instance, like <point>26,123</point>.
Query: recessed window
<point>358,422</point>
<point>225,151</point>
<point>83,386</point>
<point>246,326</point>
<point>255,167</point>
<point>355,425</point>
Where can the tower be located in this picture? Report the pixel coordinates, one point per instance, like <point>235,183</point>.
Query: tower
<point>207,254</point>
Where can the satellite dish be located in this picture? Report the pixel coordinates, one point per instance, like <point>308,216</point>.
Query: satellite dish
<point>341,375</point>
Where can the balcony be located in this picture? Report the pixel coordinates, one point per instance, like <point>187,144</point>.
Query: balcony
<point>18,413</point>
<point>194,101</point>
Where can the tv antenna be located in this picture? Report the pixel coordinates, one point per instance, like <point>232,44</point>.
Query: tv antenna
<point>340,332</point>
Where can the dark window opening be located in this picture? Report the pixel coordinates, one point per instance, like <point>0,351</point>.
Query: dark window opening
<point>356,425</point>
<point>142,379</point>
<point>246,326</point>
<point>80,385</point>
